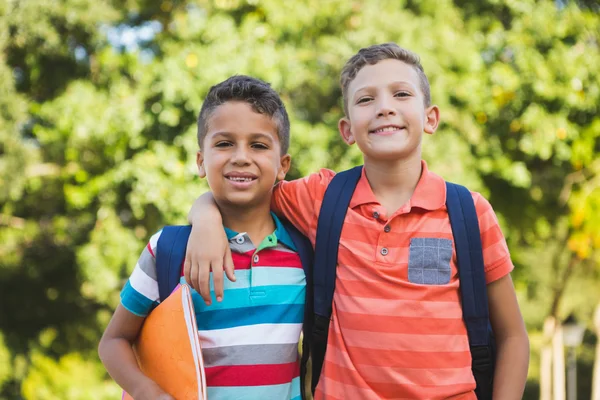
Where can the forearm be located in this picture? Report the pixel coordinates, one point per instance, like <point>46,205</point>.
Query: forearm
<point>120,362</point>
<point>512,363</point>
<point>204,208</point>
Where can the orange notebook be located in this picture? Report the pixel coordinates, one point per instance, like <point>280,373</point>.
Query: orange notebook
<point>168,348</point>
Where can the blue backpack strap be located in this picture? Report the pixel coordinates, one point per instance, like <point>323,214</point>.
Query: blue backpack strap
<point>469,254</point>
<point>329,229</point>
<point>306,253</point>
<point>170,253</point>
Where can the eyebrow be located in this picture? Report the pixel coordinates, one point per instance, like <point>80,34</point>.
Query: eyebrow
<point>367,87</point>
<point>253,135</point>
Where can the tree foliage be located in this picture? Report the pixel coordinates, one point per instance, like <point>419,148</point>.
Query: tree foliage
<point>98,102</point>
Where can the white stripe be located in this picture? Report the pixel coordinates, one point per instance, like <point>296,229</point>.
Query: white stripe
<point>251,334</point>
<point>154,242</point>
<point>144,284</point>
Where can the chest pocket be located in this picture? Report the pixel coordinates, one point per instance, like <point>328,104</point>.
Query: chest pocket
<point>429,261</point>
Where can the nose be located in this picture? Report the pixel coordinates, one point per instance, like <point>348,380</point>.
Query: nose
<point>385,106</point>
<point>240,156</point>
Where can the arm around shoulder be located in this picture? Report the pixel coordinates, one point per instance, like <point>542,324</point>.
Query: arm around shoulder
<point>297,200</point>
<point>207,250</point>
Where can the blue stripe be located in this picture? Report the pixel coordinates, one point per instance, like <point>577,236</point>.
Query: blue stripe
<point>286,391</point>
<point>135,302</point>
<point>254,315</point>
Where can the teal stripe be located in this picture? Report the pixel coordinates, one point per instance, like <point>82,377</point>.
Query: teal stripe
<point>135,302</point>
<point>257,296</point>
<point>286,391</point>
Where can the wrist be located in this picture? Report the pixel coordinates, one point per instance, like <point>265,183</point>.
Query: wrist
<point>147,389</point>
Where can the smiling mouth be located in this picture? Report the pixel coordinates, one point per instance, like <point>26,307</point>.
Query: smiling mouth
<point>387,129</point>
<point>240,179</point>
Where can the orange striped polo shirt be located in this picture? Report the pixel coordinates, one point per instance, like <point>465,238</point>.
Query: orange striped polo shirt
<point>397,330</point>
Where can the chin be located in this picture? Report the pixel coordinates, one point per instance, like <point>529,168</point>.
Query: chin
<point>389,154</point>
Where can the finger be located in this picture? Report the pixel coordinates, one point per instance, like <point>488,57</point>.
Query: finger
<point>204,282</point>
<point>217,276</point>
<point>228,265</point>
<point>194,276</point>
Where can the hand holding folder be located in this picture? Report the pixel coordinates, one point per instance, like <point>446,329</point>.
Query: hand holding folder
<point>168,348</point>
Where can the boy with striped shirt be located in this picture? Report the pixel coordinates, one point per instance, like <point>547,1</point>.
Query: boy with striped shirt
<point>250,339</point>
<point>397,329</point>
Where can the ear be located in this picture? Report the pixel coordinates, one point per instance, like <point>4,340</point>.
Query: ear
<point>200,164</point>
<point>346,131</point>
<point>432,119</point>
<point>284,166</point>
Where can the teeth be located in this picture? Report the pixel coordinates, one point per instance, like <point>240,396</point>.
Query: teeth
<point>387,129</point>
<point>239,179</point>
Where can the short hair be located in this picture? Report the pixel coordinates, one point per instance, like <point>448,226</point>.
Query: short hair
<point>258,94</point>
<point>372,55</point>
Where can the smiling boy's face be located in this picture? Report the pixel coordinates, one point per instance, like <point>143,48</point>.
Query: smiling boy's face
<point>386,112</point>
<point>241,156</point>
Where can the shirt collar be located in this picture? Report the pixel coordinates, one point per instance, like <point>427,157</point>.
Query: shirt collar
<point>430,193</point>
<point>280,233</point>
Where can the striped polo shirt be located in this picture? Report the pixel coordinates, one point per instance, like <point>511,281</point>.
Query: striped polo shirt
<point>397,329</point>
<point>250,339</point>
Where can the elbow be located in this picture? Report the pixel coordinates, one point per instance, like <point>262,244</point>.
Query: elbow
<point>517,344</point>
<point>103,349</point>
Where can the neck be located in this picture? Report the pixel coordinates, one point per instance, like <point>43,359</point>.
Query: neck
<point>393,182</point>
<point>257,222</point>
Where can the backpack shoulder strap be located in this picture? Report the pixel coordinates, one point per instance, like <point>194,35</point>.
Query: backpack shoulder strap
<point>329,229</point>
<point>303,247</point>
<point>306,254</point>
<point>467,241</point>
<point>471,273</point>
<point>170,253</point>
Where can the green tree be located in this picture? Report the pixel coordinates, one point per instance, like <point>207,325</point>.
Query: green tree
<point>97,125</point>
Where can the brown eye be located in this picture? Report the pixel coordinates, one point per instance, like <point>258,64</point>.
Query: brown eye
<point>260,146</point>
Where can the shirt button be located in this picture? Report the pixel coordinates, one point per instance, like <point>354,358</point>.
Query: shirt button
<point>375,215</point>
<point>387,228</point>
<point>240,240</point>
<point>255,259</point>
<point>384,251</point>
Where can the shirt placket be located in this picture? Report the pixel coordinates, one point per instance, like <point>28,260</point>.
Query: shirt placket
<point>267,243</point>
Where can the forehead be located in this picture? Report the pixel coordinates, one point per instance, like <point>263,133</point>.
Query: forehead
<point>237,117</point>
<point>384,73</point>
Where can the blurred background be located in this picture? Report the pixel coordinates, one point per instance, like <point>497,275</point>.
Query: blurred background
<point>98,102</point>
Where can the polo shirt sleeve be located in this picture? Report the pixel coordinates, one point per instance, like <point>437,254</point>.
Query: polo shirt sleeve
<point>299,201</point>
<point>496,257</point>
<point>140,294</point>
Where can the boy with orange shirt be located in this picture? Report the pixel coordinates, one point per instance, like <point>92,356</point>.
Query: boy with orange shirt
<point>397,328</point>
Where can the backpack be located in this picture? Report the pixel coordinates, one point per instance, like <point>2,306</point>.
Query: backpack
<point>467,242</point>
